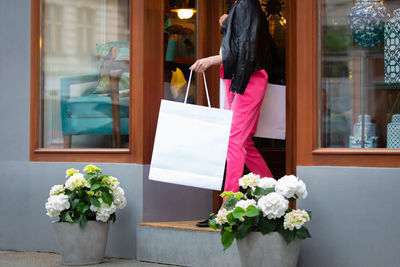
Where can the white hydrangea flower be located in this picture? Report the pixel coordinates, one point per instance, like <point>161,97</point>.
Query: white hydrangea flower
<point>112,182</point>
<point>119,198</point>
<point>273,205</point>
<point>222,216</point>
<point>295,219</point>
<point>301,190</point>
<point>57,189</point>
<point>249,180</point>
<point>76,181</point>
<point>104,211</point>
<point>291,186</point>
<point>265,183</point>
<point>244,204</point>
<point>56,204</point>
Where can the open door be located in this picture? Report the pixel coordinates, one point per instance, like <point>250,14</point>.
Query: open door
<point>278,153</point>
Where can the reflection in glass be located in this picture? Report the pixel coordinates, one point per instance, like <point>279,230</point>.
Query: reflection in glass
<point>84,74</point>
<point>356,104</point>
<point>180,49</point>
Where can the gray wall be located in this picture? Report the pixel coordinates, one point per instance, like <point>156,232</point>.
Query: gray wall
<point>24,185</point>
<point>24,190</point>
<point>355,216</point>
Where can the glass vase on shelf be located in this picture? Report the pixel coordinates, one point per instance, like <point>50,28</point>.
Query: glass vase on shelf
<point>392,48</point>
<point>366,20</point>
<point>393,132</point>
<point>370,139</point>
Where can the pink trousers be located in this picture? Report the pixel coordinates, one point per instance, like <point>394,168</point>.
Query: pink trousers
<point>246,111</point>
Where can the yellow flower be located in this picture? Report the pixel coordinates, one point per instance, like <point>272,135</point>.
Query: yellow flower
<point>238,195</point>
<point>71,172</point>
<point>226,194</point>
<point>90,193</point>
<point>91,168</point>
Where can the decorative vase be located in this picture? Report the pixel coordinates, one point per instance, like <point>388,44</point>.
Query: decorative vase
<point>268,250</point>
<point>370,138</point>
<point>366,21</point>
<point>393,132</point>
<point>81,246</point>
<point>392,48</point>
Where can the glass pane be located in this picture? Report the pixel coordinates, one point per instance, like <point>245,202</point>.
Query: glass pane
<point>180,49</point>
<point>84,74</point>
<point>359,92</point>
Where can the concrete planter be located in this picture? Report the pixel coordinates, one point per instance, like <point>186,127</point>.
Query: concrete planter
<point>268,250</point>
<point>81,246</point>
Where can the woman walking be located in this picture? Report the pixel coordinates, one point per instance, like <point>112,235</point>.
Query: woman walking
<point>246,60</point>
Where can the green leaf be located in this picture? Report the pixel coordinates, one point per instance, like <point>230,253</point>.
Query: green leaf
<point>94,187</point>
<point>241,232</point>
<point>74,203</point>
<point>238,213</point>
<point>231,219</point>
<point>250,222</point>
<point>261,191</point>
<point>227,239</point>
<point>68,217</point>
<point>228,228</point>
<point>288,235</point>
<point>303,233</point>
<point>267,226</point>
<point>249,192</point>
<point>113,217</point>
<point>252,211</point>
<point>81,206</point>
<point>212,224</point>
<point>82,221</point>
<point>89,176</point>
<point>230,203</point>
<point>309,213</point>
<point>95,202</point>
<point>85,209</point>
<point>107,197</point>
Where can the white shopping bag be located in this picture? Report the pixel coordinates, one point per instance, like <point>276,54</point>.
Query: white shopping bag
<point>191,144</point>
<point>272,121</point>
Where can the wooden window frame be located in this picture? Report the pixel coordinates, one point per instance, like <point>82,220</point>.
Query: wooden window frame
<point>305,85</point>
<point>146,25</point>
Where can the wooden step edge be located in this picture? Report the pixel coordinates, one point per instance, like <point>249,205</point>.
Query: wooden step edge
<point>179,225</point>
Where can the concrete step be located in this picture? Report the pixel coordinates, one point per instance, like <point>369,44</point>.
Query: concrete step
<point>183,244</point>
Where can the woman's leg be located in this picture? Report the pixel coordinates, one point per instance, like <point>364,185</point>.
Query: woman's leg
<point>245,115</point>
<point>254,161</point>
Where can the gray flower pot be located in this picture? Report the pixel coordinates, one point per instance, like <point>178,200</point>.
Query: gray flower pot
<point>268,250</point>
<point>81,246</point>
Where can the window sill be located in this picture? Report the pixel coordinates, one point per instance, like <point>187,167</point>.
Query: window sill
<point>84,150</point>
<point>355,151</point>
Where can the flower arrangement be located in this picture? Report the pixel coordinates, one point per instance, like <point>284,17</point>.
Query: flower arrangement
<point>83,197</point>
<point>263,208</point>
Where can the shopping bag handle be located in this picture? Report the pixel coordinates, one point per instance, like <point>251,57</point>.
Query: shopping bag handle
<point>205,86</point>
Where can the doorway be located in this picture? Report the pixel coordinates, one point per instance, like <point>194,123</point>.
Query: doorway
<point>277,152</point>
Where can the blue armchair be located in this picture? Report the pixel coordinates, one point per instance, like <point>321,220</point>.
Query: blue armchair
<point>93,113</point>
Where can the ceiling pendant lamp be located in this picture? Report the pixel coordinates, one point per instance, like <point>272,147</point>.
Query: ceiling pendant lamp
<point>184,11</point>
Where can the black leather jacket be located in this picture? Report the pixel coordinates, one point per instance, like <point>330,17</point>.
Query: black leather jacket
<point>247,46</point>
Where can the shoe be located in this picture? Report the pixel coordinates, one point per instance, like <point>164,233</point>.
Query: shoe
<point>203,223</point>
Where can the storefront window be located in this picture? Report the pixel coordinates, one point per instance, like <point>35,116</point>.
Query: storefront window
<point>359,86</point>
<point>180,49</point>
<point>85,74</point>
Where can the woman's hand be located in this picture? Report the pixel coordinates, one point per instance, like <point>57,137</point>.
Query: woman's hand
<point>203,64</point>
<point>222,19</point>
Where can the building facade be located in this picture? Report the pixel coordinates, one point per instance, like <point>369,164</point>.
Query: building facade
<point>72,70</point>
